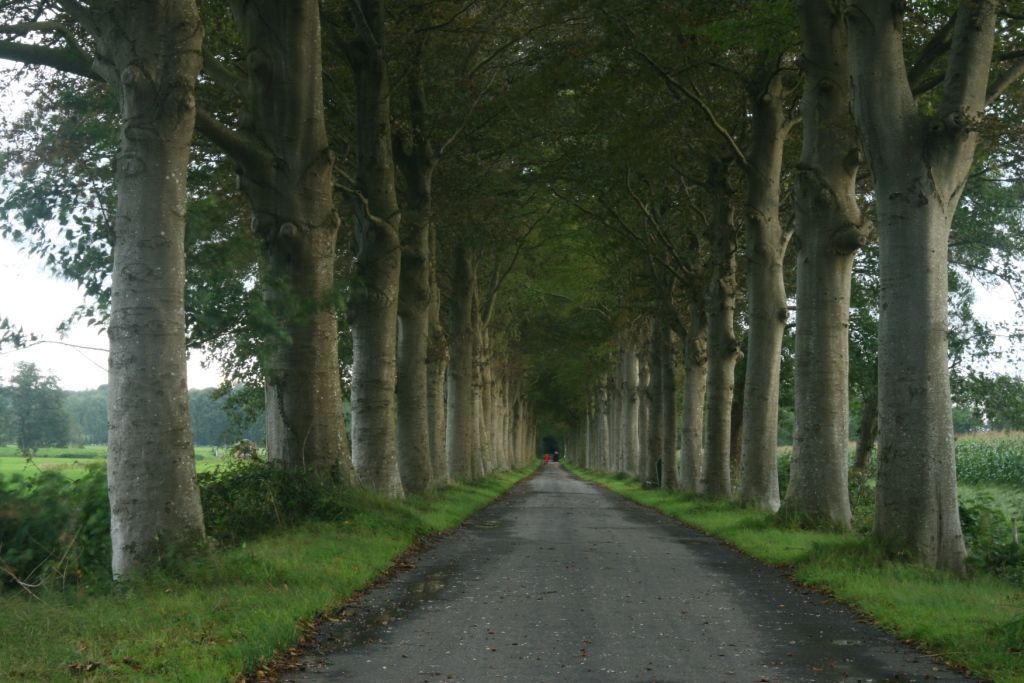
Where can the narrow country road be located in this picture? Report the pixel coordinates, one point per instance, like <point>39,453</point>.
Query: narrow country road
<point>564,581</point>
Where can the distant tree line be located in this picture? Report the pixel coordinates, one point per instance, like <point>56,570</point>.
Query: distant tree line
<point>36,413</point>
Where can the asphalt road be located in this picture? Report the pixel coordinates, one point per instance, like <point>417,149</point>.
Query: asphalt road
<point>564,581</point>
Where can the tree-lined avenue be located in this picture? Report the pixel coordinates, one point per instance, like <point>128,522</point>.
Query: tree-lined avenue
<point>562,580</point>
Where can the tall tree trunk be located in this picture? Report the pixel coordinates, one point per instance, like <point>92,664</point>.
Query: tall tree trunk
<point>588,449</point>
<point>414,463</point>
<point>603,431</point>
<point>669,473</point>
<point>722,347</point>
<point>867,432</point>
<point>644,467</point>
<point>480,453</point>
<point>373,306</point>
<point>414,297</point>
<point>488,406</point>
<point>766,294</point>
<point>151,54</point>
<point>695,379</point>
<point>830,229</point>
<point>461,433</point>
<point>656,425</point>
<point>920,163</point>
<point>437,368</point>
<point>287,173</point>
<point>736,431</point>
<point>630,446</point>
<point>614,422</point>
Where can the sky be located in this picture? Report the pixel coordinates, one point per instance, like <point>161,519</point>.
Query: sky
<point>38,302</point>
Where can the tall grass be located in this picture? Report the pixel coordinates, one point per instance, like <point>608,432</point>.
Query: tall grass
<point>991,459</point>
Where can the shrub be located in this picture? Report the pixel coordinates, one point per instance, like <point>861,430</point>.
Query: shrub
<point>53,529</point>
<point>56,531</point>
<point>248,497</point>
<point>783,464</point>
<point>862,500</point>
<point>989,537</point>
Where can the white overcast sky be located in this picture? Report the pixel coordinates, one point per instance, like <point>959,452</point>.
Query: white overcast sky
<point>39,302</point>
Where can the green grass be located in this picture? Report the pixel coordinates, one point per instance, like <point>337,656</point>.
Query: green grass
<point>74,452</point>
<point>976,623</point>
<point>74,461</point>
<point>228,612</point>
<point>72,469</point>
<point>90,451</point>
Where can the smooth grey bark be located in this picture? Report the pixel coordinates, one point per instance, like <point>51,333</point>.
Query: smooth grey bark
<point>286,172</point>
<point>588,436</point>
<point>415,159</point>
<point>481,451</point>
<point>867,432</point>
<point>503,423</point>
<point>919,161</point>
<point>695,381</point>
<point>722,347</point>
<point>603,459</point>
<point>829,230</point>
<point>437,369</point>
<point>767,309</point>
<point>151,54</point>
<point>373,305</point>
<point>489,407</point>
<point>669,472</point>
<point>645,467</point>
<point>461,432</point>
<point>629,368</point>
<point>614,420</point>
<point>736,431</point>
<point>656,418</point>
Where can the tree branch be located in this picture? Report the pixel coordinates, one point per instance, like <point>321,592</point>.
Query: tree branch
<point>655,224</point>
<point>53,27</point>
<point>937,45</point>
<point>468,115</point>
<point>362,24</point>
<point>62,59</point>
<point>1005,80</point>
<point>243,149</point>
<point>221,74</point>
<point>498,280</point>
<point>680,92</point>
<point>970,59</point>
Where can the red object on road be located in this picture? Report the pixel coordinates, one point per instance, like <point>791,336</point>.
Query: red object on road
<point>547,458</point>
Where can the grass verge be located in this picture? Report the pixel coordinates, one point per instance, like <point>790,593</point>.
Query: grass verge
<point>977,623</point>
<point>229,611</point>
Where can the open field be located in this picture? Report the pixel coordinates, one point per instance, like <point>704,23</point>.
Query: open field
<point>74,461</point>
